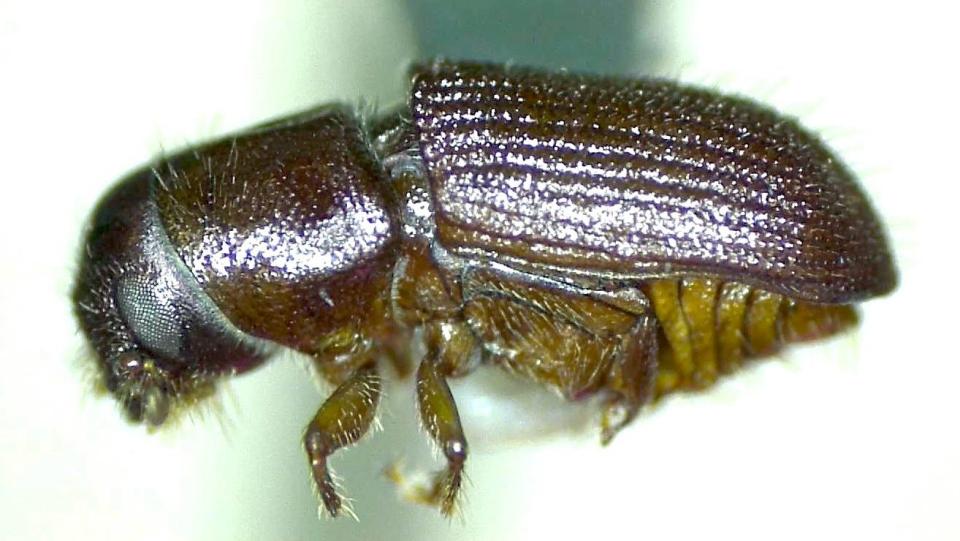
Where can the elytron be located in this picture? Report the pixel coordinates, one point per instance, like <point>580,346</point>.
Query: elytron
<point>599,236</point>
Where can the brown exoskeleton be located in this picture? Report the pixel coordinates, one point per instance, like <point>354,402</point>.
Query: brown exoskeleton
<point>626,238</point>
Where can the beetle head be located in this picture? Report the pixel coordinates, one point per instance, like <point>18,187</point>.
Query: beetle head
<point>158,339</point>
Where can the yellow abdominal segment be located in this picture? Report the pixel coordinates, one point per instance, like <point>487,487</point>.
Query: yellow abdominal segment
<point>709,327</point>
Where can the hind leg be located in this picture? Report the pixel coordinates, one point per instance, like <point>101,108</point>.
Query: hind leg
<point>579,342</point>
<point>631,378</point>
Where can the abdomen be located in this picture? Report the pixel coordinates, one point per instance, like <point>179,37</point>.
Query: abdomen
<point>710,327</point>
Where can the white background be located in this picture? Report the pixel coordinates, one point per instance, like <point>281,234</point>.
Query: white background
<point>856,437</point>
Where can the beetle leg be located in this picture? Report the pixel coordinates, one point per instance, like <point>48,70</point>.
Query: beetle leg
<point>578,343</point>
<point>439,416</point>
<point>449,348</point>
<point>342,420</point>
<point>632,376</point>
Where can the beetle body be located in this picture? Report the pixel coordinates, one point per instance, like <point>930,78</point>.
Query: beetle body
<point>627,238</point>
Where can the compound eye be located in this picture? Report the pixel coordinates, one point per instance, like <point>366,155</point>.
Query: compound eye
<point>148,307</point>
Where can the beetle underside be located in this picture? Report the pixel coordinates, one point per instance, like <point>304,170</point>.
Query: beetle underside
<point>695,331</point>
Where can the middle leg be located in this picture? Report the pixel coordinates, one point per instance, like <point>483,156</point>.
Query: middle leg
<point>450,347</point>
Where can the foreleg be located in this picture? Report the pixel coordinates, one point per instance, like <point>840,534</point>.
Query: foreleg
<point>341,421</point>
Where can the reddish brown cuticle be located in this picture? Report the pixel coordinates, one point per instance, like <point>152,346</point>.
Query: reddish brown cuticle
<point>627,238</point>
